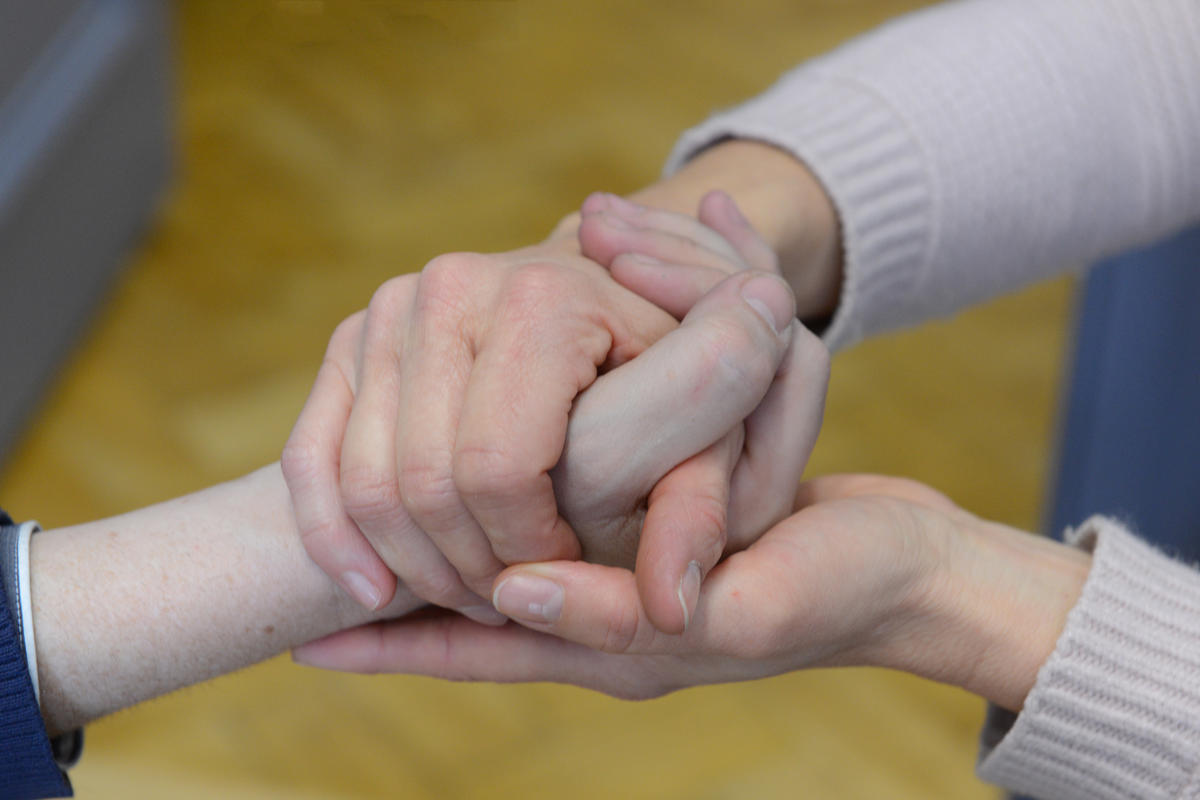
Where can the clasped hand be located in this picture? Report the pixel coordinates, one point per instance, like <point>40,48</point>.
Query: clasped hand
<point>494,410</point>
<point>697,439</point>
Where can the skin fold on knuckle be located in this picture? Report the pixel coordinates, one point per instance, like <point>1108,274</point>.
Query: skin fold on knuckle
<point>598,241</point>
<point>426,487</point>
<point>437,584</point>
<point>300,462</point>
<point>551,314</point>
<point>368,493</point>
<point>446,283</point>
<point>620,627</point>
<point>698,522</point>
<point>390,300</point>
<point>488,474</point>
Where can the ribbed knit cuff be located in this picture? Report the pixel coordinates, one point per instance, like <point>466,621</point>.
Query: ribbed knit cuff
<point>1115,711</point>
<point>870,165</point>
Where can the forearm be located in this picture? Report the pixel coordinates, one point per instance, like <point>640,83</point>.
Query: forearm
<point>132,607</point>
<point>991,610</point>
<point>974,147</point>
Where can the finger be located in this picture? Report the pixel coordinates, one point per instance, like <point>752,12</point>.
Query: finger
<point>455,648</point>
<point>553,330</point>
<point>438,356</point>
<point>604,612</point>
<point>719,212</point>
<point>611,225</point>
<point>671,287</point>
<point>780,436</point>
<point>684,533</point>
<point>310,464</point>
<point>370,480</point>
<point>716,366</point>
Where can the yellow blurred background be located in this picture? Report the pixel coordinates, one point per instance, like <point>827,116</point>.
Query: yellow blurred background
<point>326,146</point>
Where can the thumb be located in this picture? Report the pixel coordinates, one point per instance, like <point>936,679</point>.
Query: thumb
<point>678,398</point>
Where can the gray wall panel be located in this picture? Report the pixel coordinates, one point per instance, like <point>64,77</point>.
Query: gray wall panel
<point>84,154</point>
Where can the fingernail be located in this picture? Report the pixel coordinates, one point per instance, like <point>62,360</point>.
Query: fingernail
<point>735,213</point>
<point>616,222</point>
<point>485,615</point>
<point>529,598</point>
<point>361,589</point>
<point>689,592</point>
<point>640,258</point>
<point>772,302</point>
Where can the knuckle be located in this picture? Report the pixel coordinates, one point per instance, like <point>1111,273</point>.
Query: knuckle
<point>346,332</point>
<point>449,272</point>
<point>708,522</point>
<point>299,461</point>
<point>439,585</point>
<point>426,488</point>
<point>324,540</point>
<point>621,629</point>
<point>483,472</point>
<point>535,286</point>
<point>392,296</point>
<point>369,493</point>
<point>446,282</point>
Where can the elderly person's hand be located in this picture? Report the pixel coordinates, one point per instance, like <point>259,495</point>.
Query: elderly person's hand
<point>427,445</point>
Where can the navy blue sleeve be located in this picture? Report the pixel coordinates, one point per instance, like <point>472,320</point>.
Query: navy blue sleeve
<point>27,766</point>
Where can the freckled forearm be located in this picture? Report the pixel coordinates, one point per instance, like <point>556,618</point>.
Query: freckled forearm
<point>132,607</point>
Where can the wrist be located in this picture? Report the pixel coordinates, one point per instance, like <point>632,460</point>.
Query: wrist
<point>993,610</point>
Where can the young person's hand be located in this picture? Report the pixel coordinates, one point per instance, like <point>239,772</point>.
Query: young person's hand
<point>867,571</point>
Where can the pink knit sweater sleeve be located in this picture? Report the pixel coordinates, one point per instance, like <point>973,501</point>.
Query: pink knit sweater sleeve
<point>1115,711</point>
<point>974,147</point>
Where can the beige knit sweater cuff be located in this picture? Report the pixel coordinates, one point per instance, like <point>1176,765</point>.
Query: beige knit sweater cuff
<point>872,168</point>
<point>1115,712</point>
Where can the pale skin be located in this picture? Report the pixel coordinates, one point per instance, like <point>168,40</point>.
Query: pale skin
<point>129,608</point>
<point>867,571</point>
<point>934,591</point>
<point>439,472</point>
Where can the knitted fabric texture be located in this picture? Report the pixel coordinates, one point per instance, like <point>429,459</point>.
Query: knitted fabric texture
<point>1115,711</point>
<point>975,147</point>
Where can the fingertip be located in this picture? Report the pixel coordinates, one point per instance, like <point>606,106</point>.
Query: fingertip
<point>772,299</point>
<point>351,650</point>
<point>594,202</point>
<point>720,211</point>
<point>718,207</point>
<point>347,557</point>
<point>364,591</point>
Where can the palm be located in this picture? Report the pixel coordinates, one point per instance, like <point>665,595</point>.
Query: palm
<point>818,589</point>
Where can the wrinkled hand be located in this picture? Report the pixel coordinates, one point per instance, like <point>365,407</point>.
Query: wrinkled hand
<point>868,571</point>
<point>453,392</point>
<point>454,408</point>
